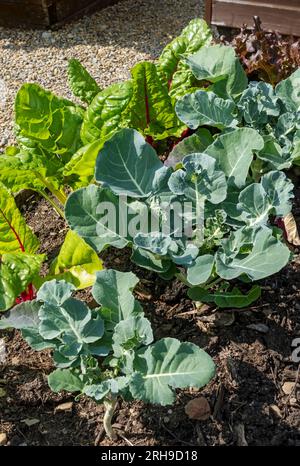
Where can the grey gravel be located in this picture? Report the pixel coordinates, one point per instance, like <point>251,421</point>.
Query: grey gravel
<point>108,43</point>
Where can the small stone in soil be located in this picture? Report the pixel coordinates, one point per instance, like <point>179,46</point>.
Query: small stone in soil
<point>3,438</point>
<point>64,407</point>
<point>288,387</point>
<point>261,328</point>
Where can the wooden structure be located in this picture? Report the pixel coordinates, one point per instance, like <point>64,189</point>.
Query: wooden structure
<point>280,15</point>
<point>45,13</point>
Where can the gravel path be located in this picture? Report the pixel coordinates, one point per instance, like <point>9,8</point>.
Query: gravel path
<point>108,43</point>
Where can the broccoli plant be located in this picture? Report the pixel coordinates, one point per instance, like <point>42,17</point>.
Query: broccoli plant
<point>108,352</point>
<point>201,217</point>
<point>230,102</point>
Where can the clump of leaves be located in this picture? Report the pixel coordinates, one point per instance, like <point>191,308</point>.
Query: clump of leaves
<point>237,239</point>
<point>265,56</point>
<point>20,263</point>
<point>108,352</point>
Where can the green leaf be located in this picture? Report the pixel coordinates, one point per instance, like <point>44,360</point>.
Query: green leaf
<point>234,153</point>
<point>289,92</point>
<point>170,65</point>
<point>55,292</point>
<point>113,290</point>
<point>22,316</point>
<point>110,386</point>
<point>257,103</point>
<point>197,142</point>
<point>81,82</point>
<point>47,121</point>
<point>275,155</point>
<point>15,235</point>
<point>76,262</point>
<point>201,270</point>
<point>226,299</point>
<point>65,379</point>
<point>206,108</point>
<point>82,165</point>
<point>105,114</point>
<point>166,365</point>
<point>127,164</point>
<point>150,261</point>
<point>219,65</point>
<point>17,271</point>
<point>98,228</point>
<point>200,180</point>
<point>150,110</point>
<point>266,255</point>
<point>130,334</point>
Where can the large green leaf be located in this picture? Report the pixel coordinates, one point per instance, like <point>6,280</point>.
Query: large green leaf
<point>150,110</point>
<point>105,114</point>
<point>15,235</point>
<point>258,103</point>
<point>95,225</point>
<point>201,270</point>
<point>166,365</point>
<point>113,290</point>
<point>47,121</point>
<point>17,271</point>
<point>127,164</point>
<point>264,255</point>
<point>234,153</point>
<point>65,379</point>
<point>172,68</point>
<point>206,108</point>
<point>219,65</point>
<point>289,92</point>
<point>81,82</point>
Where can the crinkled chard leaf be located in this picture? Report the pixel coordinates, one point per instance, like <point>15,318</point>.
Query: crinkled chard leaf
<point>81,82</point>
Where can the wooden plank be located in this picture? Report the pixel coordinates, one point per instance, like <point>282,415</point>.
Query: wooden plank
<point>281,17</point>
<point>208,11</point>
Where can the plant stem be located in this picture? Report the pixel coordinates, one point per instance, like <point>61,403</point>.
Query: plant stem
<point>182,278</point>
<point>110,405</point>
<point>60,196</point>
<point>53,203</point>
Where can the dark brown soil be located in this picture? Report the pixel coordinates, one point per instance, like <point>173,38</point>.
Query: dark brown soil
<point>245,396</point>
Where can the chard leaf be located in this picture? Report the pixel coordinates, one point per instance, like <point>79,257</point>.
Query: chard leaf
<point>150,110</point>
<point>81,82</point>
<point>172,68</point>
<point>200,180</point>
<point>266,255</point>
<point>46,121</point>
<point>201,270</point>
<point>17,271</point>
<point>91,223</point>
<point>289,92</point>
<point>166,365</point>
<point>234,153</point>
<point>76,262</point>
<point>82,165</point>
<point>65,379</point>
<point>113,290</point>
<point>105,114</point>
<point>206,108</point>
<point>219,65</point>
<point>197,142</point>
<point>127,164</point>
<point>226,299</point>
<point>15,235</point>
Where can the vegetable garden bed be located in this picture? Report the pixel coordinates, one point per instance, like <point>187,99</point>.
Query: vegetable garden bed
<point>235,163</point>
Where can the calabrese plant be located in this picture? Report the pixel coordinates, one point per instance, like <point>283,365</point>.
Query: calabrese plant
<point>200,218</point>
<point>108,352</point>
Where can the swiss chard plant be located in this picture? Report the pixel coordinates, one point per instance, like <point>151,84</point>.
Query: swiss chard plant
<point>20,262</point>
<point>229,102</point>
<point>200,216</point>
<point>58,141</point>
<point>107,352</point>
